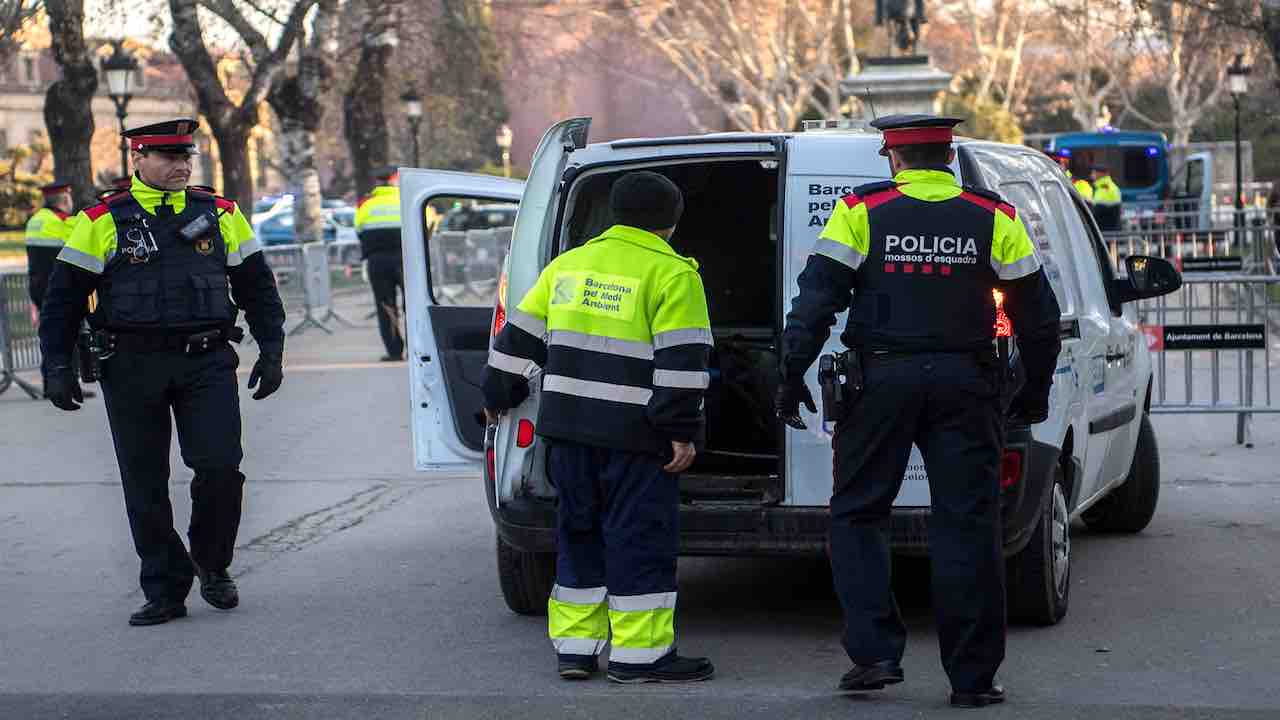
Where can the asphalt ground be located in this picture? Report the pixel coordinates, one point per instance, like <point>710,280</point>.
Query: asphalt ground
<point>369,590</point>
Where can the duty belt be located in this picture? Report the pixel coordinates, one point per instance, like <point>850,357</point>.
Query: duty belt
<point>192,343</point>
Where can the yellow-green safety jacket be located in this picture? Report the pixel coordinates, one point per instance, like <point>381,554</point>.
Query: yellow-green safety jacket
<point>1085,189</point>
<point>1105,191</point>
<point>620,330</point>
<point>378,221</point>
<point>47,231</point>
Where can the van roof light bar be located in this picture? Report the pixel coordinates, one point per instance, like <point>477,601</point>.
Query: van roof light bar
<point>845,124</point>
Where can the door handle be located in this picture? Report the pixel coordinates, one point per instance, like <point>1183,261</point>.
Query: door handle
<point>1112,357</point>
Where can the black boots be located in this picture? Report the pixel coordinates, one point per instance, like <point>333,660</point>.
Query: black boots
<point>218,589</point>
<point>159,611</point>
<point>672,669</point>
<point>577,667</point>
<point>982,698</point>
<point>863,678</point>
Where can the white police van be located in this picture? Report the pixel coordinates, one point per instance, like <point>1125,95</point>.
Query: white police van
<point>754,205</point>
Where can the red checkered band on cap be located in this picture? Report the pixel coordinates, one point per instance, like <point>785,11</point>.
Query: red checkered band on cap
<point>917,136</point>
<point>145,141</point>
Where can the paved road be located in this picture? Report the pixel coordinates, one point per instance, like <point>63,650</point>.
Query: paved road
<point>370,592</point>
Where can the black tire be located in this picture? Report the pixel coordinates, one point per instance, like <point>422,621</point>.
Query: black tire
<point>1130,507</point>
<point>1039,577</point>
<point>526,578</point>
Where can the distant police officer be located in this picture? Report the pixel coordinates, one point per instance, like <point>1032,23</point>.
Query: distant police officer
<point>620,329</point>
<point>1106,199</point>
<point>378,227</point>
<point>160,256</point>
<point>918,258</point>
<point>47,231</point>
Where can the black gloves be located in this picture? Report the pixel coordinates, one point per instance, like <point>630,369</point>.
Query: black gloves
<point>269,368</point>
<point>62,388</point>
<point>786,402</point>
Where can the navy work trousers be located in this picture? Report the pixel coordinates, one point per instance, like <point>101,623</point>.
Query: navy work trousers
<point>386,277</point>
<point>141,390</point>
<point>948,405</point>
<point>618,519</point>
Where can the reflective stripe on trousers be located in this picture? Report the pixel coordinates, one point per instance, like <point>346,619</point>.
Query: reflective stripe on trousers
<point>577,620</point>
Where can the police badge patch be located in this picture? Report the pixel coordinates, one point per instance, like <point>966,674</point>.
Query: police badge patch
<point>204,245</point>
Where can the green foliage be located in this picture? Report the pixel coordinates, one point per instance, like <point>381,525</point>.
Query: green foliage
<point>984,119</point>
<point>465,103</point>
<point>20,190</point>
<point>492,168</point>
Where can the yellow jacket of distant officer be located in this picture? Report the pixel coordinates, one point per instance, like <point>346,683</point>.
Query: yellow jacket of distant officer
<point>1105,191</point>
<point>378,221</point>
<point>1083,187</point>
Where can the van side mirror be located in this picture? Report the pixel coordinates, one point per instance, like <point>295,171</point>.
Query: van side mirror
<point>1148,277</point>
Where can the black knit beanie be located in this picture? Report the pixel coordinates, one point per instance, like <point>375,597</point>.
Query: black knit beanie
<point>646,200</point>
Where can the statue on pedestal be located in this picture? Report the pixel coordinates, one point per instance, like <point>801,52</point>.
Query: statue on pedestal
<point>904,18</point>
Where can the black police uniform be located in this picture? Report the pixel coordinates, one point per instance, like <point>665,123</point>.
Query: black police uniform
<point>381,247</point>
<point>924,331</point>
<point>165,319</point>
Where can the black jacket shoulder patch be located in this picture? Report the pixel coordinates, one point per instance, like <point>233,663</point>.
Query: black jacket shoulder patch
<point>875,187</point>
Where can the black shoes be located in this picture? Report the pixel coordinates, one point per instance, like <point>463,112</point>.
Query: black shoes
<point>577,667</point>
<point>863,678</point>
<point>392,358</point>
<point>218,589</point>
<point>675,669</point>
<point>981,698</point>
<point>156,612</point>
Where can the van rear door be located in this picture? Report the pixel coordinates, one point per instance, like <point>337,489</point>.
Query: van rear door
<point>449,308</point>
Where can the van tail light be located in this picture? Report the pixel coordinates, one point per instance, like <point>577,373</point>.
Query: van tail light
<point>500,306</point>
<point>1004,328</point>
<point>524,433</point>
<point>1010,469</point>
<point>491,463</point>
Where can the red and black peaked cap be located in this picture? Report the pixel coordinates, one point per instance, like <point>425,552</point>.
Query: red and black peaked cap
<point>915,129</point>
<point>171,136</point>
<point>53,188</point>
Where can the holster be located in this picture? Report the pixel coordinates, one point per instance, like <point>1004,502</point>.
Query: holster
<point>841,381</point>
<point>91,347</point>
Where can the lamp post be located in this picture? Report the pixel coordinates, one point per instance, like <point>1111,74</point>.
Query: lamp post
<point>1238,84</point>
<point>119,69</point>
<point>413,110</point>
<point>503,139</point>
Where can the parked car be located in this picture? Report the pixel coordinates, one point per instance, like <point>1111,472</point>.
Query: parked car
<point>277,229</point>
<point>754,205</point>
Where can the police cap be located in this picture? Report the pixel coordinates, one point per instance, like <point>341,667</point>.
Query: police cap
<point>123,182</point>
<point>646,200</point>
<point>55,187</point>
<point>915,129</point>
<point>386,172</point>
<point>171,136</point>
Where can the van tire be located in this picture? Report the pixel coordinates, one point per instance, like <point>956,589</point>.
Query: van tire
<point>1130,507</point>
<point>1039,577</point>
<point>526,578</point>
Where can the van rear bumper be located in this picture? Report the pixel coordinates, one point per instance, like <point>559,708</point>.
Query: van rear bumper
<point>730,528</point>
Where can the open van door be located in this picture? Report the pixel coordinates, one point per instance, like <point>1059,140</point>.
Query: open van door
<point>451,224</point>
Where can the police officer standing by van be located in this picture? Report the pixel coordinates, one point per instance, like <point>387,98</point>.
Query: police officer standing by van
<point>918,258</point>
<point>161,257</point>
<point>46,232</point>
<point>620,329</point>
<point>378,227</point>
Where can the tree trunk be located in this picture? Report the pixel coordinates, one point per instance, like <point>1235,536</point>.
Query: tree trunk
<point>365,125</point>
<point>233,151</point>
<point>68,111</point>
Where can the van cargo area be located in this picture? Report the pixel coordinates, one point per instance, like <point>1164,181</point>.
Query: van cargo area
<point>729,227</point>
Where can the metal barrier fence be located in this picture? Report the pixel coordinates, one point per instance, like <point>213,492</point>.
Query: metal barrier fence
<point>19,341</point>
<point>302,275</point>
<point>1215,331</point>
<point>1250,248</point>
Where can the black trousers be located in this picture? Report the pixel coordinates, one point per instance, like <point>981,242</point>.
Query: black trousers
<point>141,391</point>
<point>386,275</point>
<point>948,405</point>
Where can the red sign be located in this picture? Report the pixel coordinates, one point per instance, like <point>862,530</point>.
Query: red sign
<point>1155,337</point>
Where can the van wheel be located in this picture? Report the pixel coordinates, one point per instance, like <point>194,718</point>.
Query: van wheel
<point>1039,577</point>
<point>1130,507</point>
<point>526,578</point>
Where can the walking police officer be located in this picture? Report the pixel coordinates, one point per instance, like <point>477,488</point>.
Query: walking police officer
<point>923,328</point>
<point>161,257</point>
<point>624,370</point>
<point>378,227</point>
<point>1106,199</point>
<point>47,230</point>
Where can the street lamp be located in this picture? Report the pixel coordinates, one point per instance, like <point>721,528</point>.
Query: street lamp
<point>120,69</point>
<point>503,138</point>
<point>413,110</point>
<point>1238,84</point>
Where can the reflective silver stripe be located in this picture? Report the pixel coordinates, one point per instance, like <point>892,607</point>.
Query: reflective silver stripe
<point>81,259</point>
<point>44,241</point>
<point>596,390</point>
<point>634,603</point>
<point>247,248</point>
<point>691,379</point>
<point>528,323</point>
<point>511,363</point>
<point>686,336</point>
<point>600,344</point>
<point>841,253</point>
<point>637,656</point>
<point>578,646</point>
<point>1016,269</point>
<point>379,225</point>
<point>579,596</point>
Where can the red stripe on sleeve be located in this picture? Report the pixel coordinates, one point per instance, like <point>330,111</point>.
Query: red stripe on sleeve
<point>1009,210</point>
<point>851,201</point>
<point>97,211</point>
<point>876,199</point>
<point>988,204</point>
<point>224,204</point>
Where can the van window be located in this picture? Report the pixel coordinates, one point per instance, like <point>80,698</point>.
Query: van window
<point>466,247</point>
<point>1058,269</point>
<point>1094,263</point>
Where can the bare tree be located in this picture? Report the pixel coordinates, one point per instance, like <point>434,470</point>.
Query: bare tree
<point>765,63</point>
<point>298,100</point>
<point>14,15</point>
<point>68,111</point>
<point>365,125</point>
<point>229,121</point>
<point>999,32</point>
<point>1097,36</point>
<point>1188,48</point>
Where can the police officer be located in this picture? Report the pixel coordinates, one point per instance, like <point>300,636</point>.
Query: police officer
<point>923,325</point>
<point>619,327</point>
<point>161,257</point>
<point>47,231</point>
<point>1106,199</point>
<point>1084,187</point>
<point>378,227</point>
